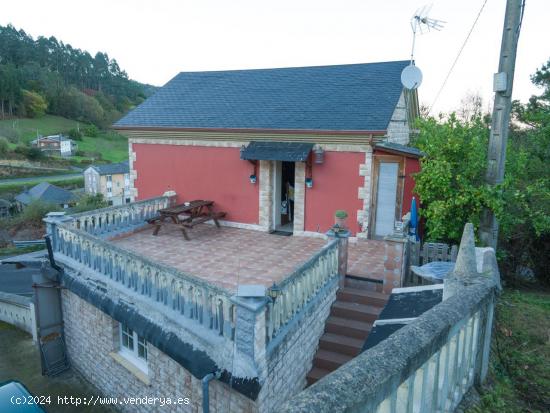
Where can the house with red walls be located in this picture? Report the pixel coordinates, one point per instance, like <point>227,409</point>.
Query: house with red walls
<point>281,149</point>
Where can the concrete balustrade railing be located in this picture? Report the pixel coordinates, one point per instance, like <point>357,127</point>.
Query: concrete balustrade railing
<point>300,287</point>
<point>112,219</point>
<point>79,241</point>
<point>428,365</point>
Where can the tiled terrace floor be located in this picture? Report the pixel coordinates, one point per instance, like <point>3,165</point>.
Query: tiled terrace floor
<point>225,256</point>
<point>366,259</point>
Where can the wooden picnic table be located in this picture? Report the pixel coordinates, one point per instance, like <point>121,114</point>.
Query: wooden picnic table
<point>187,215</point>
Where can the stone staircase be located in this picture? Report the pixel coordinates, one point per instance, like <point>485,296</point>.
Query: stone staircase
<point>352,315</point>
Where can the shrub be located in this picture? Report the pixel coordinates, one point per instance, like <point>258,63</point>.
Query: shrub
<point>32,154</point>
<point>341,214</point>
<point>91,130</point>
<point>4,147</point>
<point>75,134</point>
<point>33,214</point>
<point>90,202</point>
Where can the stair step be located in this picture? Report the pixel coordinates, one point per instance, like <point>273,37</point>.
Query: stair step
<point>340,343</point>
<point>359,284</point>
<point>330,360</point>
<point>316,374</point>
<point>353,295</point>
<point>345,327</point>
<point>355,311</point>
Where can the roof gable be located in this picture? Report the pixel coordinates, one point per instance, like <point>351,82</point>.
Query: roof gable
<point>112,168</point>
<point>358,97</point>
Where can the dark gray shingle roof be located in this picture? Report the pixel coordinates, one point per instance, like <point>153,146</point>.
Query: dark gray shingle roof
<point>343,97</point>
<point>396,147</point>
<point>112,168</point>
<point>46,192</point>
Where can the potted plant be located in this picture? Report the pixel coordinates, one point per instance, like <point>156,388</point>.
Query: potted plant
<point>340,217</point>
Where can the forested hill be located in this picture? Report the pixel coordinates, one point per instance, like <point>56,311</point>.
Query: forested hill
<point>48,76</point>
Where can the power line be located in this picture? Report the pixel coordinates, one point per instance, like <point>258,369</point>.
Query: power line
<point>458,56</point>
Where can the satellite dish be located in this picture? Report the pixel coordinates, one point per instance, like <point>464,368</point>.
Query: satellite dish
<point>411,77</point>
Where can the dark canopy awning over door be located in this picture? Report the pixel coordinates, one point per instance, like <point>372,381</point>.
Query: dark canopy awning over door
<point>276,151</point>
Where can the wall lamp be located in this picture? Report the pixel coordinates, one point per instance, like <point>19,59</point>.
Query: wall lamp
<point>274,291</point>
<point>309,172</point>
<point>253,177</point>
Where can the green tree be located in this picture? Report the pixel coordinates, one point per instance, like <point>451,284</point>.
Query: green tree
<point>34,104</point>
<point>451,183</point>
<point>452,188</point>
<point>525,221</point>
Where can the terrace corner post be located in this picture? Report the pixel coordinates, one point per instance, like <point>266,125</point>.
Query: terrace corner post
<point>52,220</point>
<point>395,261</point>
<point>343,242</point>
<point>250,335</point>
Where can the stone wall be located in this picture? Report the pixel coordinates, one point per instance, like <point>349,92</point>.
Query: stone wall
<point>399,128</point>
<point>92,339</point>
<point>290,359</point>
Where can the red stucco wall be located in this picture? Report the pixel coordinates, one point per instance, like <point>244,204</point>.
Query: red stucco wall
<point>335,186</point>
<point>199,172</point>
<point>412,165</point>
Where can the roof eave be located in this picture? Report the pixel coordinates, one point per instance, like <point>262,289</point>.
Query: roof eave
<point>254,130</point>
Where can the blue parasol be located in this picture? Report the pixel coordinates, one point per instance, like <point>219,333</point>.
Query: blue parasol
<point>414,220</point>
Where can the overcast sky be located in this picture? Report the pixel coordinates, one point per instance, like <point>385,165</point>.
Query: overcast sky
<point>154,40</point>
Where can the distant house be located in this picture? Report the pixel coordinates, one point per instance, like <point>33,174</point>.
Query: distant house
<point>110,180</point>
<point>54,144</point>
<point>47,193</point>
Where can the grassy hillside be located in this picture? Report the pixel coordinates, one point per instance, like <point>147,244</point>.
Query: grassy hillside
<point>111,146</point>
<point>26,129</point>
<point>519,379</point>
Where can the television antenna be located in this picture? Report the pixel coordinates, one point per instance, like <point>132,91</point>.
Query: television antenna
<point>411,77</point>
<point>420,22</point>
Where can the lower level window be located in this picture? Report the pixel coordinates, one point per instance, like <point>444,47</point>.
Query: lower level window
<point>133,347</point>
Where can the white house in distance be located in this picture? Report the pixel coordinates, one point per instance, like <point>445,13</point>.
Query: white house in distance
<point>55,144</point>
<point>110,180</point>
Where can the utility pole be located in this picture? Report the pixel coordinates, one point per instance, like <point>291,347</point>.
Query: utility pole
<point>502,86</point>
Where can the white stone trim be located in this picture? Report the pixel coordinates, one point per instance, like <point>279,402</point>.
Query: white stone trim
<point>299,196</point>
<point>241,225</point>
<point>394,321</point>
<point>265,209</point>
<point>131,367</point>
<point>364,193</point>
<point>330,147</point>
<point>133,173</point>
<point>417,288</point>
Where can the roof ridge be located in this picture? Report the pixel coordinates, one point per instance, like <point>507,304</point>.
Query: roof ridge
<point>293,67</point>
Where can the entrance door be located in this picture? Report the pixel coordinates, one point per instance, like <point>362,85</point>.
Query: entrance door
<point>386,198</point>
<point>283,196</point>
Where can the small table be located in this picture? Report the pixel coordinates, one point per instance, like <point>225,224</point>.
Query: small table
<point>434,272</point>
<point>194,213</point>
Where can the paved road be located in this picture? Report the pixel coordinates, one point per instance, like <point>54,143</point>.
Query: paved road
<point>16,281</point>
<point>33,179</point>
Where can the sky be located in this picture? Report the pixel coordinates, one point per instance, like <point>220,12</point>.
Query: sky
<point>155,40</point>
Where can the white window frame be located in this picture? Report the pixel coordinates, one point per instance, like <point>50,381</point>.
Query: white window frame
<point>132,354</point>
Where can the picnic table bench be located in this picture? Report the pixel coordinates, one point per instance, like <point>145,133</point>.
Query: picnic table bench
<point>186,216</point>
